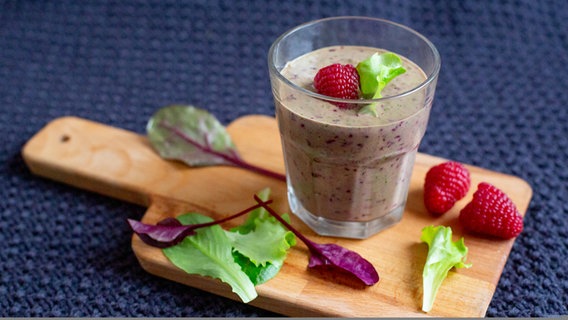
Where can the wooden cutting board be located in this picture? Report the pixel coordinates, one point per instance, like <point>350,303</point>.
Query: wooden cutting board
<point>123,165</point>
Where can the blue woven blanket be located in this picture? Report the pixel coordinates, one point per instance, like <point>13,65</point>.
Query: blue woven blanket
<point>501,104</point>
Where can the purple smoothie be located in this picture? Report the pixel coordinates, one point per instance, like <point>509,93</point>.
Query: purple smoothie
<point>345,167</point>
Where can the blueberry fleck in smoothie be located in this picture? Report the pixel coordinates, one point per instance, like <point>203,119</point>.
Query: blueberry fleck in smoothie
<point>348,171</point>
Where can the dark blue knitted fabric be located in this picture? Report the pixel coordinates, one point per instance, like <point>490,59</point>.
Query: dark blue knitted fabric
<point>501,104</point>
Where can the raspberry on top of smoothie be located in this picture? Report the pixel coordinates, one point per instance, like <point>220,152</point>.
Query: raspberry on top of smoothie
<point>367,80</point>
<point>301,72</point>
<point>338,81</point>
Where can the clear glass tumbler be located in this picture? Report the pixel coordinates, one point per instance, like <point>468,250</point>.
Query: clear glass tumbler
<point>347,173</point>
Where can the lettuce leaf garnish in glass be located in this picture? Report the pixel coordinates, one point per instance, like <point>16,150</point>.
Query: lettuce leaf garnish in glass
<point>375,73</point>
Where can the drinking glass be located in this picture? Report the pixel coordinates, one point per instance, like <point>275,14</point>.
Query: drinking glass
<point>348,174</point>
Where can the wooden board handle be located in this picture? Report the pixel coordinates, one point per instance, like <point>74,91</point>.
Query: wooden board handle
<point>92,156</point>
<point>123,164</point>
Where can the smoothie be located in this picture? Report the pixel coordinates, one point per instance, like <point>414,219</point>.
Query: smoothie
<point>343,167</point>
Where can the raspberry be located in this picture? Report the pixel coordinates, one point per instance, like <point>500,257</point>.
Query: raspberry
<point>491,212</point>
<point>444,185</point>
<point>338,81</point>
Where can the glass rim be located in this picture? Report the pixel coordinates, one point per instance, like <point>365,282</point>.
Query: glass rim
<point>429,77</point>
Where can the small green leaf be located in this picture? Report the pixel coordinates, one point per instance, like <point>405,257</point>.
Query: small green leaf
<point>209,253</point>
<point>261,243</point>
<point>266,243</point>
<point>258,274</point>
<point>259,213</point>
<point>443,254</point>
<point>375,73</point>
<point>371,109</point>
<point>191,135</point>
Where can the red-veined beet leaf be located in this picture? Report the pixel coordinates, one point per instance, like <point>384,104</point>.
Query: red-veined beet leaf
<point>195,137</point>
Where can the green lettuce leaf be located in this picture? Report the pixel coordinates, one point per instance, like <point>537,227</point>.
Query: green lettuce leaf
<point>209,253</point>
<point>258,274</point>
<point>261,243</point>
<point>443,254</point>
<point>269,241</point>
<point>375,73</point>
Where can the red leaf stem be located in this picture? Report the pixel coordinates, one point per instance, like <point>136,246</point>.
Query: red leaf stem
<point>233,158</point>
<point>170,232</point>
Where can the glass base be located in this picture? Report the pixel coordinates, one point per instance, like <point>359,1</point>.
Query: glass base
<point>343,229</point>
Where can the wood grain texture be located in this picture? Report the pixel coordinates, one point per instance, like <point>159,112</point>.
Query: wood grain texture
<point>123,165</point>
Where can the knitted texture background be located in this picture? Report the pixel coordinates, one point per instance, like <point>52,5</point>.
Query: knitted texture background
<point>501,104</point>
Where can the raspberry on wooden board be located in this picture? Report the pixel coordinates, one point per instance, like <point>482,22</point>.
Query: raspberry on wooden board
<point>491,212</point>
<point>444,185</point>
